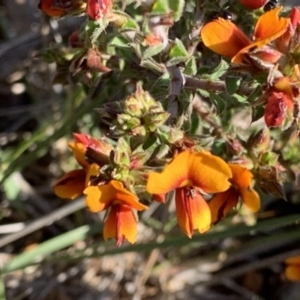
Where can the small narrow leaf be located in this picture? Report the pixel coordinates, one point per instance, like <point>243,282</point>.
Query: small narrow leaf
<point>178,49</point>
<point>220,70</point>
<point>232,84</point>
<point>161,7</point>
<point>177,8</point>
<point>218,102</point>
<point>151,51</point>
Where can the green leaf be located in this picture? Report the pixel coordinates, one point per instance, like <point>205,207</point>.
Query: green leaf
<point>2,289</point>
<point>152,65</point>
<point>257,113</point>
<point>240,98</point>
<point>151,51</point>
<point>119,41</point>
<point>220,70</point>
<point>232,84</point>
<point>218,101</point>
<point>130,22</point>
<point>11,187</point>
<point>93,30</point>
<point>255,94</point>
<point>176,60</point>
<point>178,49</point>
<point>204,93</point>
<point>177,8</point>
<point>190,66</point>
<point>161,7</point>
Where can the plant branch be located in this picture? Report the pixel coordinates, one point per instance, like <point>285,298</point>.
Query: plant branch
<point>216,86</point>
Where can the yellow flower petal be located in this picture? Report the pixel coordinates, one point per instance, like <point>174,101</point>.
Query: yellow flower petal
<point>92,171</point>
<point>93,196</point>
<point>224,37</point>
<point>270,26</point>
<point>222,203</point>
<point>192,211</point>
<point>79,151</point>
<point>203,170</point>
<point>292,272</point>
<point>283,84</point>
<point>241,176</point>
<point>121,224</point>
<point>102,196</point>
<point>251,199</point>
<point>71,185</point>
<point>126,197</point>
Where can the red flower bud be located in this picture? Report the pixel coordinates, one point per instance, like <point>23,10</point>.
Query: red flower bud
<point>279,108</point>
<point>265,57</point>
<point>295,17</point>
<point>96,9</point>
<point>253,4</point>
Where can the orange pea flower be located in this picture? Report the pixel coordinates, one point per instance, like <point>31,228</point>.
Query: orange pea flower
<point>121,222</point>
<point>292,270</point>
<point>225,38</point>
<point>73,183</point>
<point>279,109</point>
<point>241,187</point>
<point>190,174</point>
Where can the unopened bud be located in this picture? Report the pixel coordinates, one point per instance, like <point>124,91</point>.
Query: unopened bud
<point>279,110</point>
<point>233,146</point>
<point>259,142</point>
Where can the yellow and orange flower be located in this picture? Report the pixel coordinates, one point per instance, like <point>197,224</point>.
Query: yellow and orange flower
<point>191,174</point>
<point>73,183</point>
<point>241,187</point>
<point>121,222</point>
<point>225,38</point>
<point>292,270</point>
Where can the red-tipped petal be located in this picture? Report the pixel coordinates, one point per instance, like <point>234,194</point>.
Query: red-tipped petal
<point>192,211</point>
<point>121,224</point>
